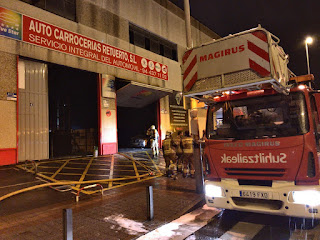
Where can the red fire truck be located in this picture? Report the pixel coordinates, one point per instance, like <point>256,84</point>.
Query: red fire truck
<point>263,129</point>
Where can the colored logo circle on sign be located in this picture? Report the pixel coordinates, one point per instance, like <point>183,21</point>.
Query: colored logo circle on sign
<point>158,68</point>
<point>144,62</point>
<point>164,69</point>
<point>108,113</point>
<point>151,65</point>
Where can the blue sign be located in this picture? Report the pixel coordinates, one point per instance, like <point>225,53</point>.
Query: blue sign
<point>10,24</point>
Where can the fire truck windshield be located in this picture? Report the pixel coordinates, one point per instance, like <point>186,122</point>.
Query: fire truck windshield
<point>259,117</point>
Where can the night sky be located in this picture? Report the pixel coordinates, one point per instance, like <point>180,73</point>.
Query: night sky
<point>290,20</point>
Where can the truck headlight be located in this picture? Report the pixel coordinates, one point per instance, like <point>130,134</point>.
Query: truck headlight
<point>213,191</point>
<point>308,197</point>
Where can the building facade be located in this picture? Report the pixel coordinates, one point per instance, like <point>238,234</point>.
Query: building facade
<point>84,74</point>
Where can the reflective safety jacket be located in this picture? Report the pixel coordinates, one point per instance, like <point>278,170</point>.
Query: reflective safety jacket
<point>187,145</point>
<point>178,144</point>
<point>153,134</point>
<point>167,146</point>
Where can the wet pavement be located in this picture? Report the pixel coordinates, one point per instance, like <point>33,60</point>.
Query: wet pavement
<point>121,212</point>
<point>96,218</point>
<point>37,214</point>
<point>245,225</point>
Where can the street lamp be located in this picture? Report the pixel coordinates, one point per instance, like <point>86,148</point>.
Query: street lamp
<point>308,40</point>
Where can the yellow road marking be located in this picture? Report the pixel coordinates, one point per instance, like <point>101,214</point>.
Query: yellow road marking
<point>119,165</point>
<point>56,181</point>
<point>111,172</point>
<point>49,173</point>
<point>78,163</point>
<point>135,169</point>
<point>98,175</point>
<point>128,183</point>
<point>121,184</point>
<point>48,167</point>
<point>100,164</point>
<point>132,159</point>
<point>110,162</point>
<point>156,166</point>
<point>124,170</point>
<point>128,166</point>
<point>102,181</point>
<point>148,155</point>
<point>62,160</point>
<point>71,174</point>
<point>65,174</point>
<point>61,183</point>
<point>67,168</point>
<point>62,166</point>
<point>129,170</point>
<point>25,169</point>
<point>85,172</point>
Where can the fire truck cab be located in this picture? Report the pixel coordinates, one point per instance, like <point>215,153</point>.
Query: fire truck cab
<point>263,126</point>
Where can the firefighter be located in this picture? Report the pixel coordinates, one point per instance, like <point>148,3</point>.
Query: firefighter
<point>187,148</point>
<point>154,138</point>
<point>178,146</point>
<point>169,155</point>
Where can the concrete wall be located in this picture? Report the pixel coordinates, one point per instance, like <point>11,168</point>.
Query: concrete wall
<point>160,17</point>
<point>8,83</point>
<point>8,126</point>
<point>8,76</point>
<point>164,116</point>
<point>106,21</point>
<point>98,21</point>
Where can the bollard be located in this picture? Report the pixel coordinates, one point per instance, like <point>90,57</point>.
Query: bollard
<point>198,167</point>
<point>197,159</point>
<point>67,224</point>
<point>150,211</point>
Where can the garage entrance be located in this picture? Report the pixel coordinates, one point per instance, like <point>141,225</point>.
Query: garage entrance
<point>73,111</point>
<point>133,124</point>
<point>137,110</point>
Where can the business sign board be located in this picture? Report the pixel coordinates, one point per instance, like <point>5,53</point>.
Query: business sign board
<point>178,115</point>
<point>52,37</point>
<point>11,96</point>
<point>10,24</point>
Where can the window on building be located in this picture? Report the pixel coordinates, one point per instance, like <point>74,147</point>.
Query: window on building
<point>152,42</point>
<point>63,8</point>
<point>131,36</point>
<point>139,40</point>
<point>154,46</point>
<point>147,43</point>
<point>161,49</point>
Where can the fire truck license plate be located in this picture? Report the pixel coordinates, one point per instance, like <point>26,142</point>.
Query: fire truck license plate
<point>254,194</point>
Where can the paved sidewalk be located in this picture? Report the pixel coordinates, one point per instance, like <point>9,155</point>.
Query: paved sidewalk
<point>120,214</point>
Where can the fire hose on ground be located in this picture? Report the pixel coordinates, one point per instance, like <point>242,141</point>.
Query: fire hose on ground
<point>70,183</point>
<point>86,187</point>
<point>35,165</point>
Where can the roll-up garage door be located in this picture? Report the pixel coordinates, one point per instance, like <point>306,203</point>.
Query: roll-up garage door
<point>33,133</point>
